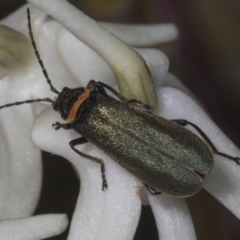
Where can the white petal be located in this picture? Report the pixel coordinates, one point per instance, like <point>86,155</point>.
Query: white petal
<point>18,19</point>
<point>172,217</point>
<point>85,64</point>
<point>112,214</point>
<point>33,228</point>
<point>82,62</point>
<point>224,180</point>
<point>143,35</point>
<point>20,161</point>
<point>157,62</point>
<point>172,81</point>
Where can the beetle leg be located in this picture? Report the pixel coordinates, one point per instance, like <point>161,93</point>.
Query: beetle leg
<point>123,99</point>
<point>82,140</point>
<point>65,126</point>
<point>183,122</point>
<point>139,103</point>
<point>118,95</point>
<point>152,190</point>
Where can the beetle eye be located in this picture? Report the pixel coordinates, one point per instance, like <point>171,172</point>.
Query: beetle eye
<point>65,88</point>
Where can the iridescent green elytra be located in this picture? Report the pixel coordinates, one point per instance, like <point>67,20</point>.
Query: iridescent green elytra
<point>164,155</point>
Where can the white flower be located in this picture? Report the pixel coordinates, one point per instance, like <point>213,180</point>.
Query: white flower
<point>112,214</point>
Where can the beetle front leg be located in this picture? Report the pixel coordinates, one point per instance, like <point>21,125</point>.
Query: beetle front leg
<point>82,140</point>
<point>184,122</point>
<point>65,126</point>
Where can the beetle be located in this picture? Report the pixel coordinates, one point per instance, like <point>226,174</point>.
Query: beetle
<point>163,154</point>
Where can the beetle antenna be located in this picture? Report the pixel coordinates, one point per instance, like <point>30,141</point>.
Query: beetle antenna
<point>38,55</point>
<point>27,101</point>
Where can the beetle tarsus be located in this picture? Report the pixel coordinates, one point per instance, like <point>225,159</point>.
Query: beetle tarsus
<point>58,125</point>
<point>104,185</point>
<point>235,159</point>
<point>104,181</point>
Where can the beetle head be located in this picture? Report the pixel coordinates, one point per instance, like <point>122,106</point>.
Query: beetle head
<point>66,99</point>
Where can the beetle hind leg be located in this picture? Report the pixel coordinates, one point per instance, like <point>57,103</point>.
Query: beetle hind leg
<point>83,140</point>
<point>152,190</point>
<point>183,122</point>
<point>235,159</point>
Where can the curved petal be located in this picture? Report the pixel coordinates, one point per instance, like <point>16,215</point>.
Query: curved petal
<point>85,64</point>
<point>18,19</point>
<point>157,63</point>
<point>143,35</point>
<point>81,61</point>
<point>172,217</point>
<point>112,214</point>
<point>172,81</point>
<point>32,228</point>
<point>20,161</point>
